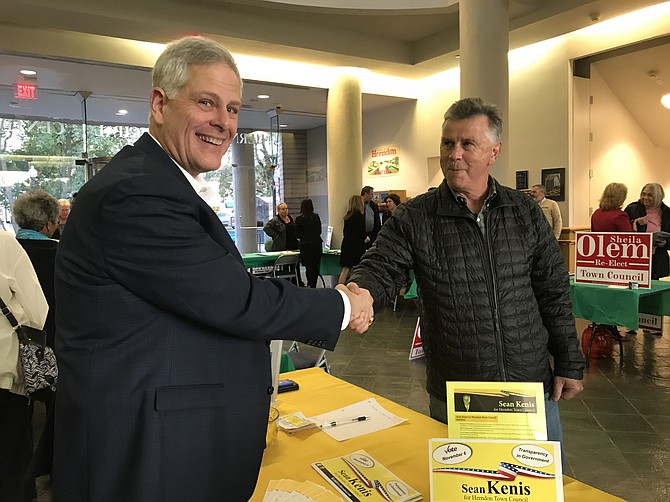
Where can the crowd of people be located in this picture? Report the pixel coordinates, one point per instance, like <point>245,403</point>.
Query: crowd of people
<point>135,296</point>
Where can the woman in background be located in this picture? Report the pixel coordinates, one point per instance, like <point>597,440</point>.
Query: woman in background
<point>37,214</point>
<point>650,214</point>
<point>355,237</point>
<point>20,290</point>
<point>392,202</point>
<point>282,230</point>
<point>609,217</point>
<point>308,231</point>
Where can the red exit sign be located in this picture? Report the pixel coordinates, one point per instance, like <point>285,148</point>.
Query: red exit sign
<point>25,90</point>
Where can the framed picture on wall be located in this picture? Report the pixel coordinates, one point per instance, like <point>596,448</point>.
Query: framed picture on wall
<point>554,183</point>
<point>521,180</point>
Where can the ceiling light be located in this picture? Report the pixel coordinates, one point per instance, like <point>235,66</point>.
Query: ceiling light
<point>283,125</point>
<point>263,96</point>
<point>665,101</point>
<point>122,112</point>
<point>27,72</point>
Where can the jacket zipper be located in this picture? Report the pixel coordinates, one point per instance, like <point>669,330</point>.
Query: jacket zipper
<point>491,278</point>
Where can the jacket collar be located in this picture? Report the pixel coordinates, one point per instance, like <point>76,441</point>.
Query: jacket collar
<point>449,205</point>
<point>151,147</point>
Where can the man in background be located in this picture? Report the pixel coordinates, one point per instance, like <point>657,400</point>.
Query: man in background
<point>549,208</point>
<point>371,212</point>
<point>163,335</point>
<point>64,207</point>
<point>494,296</point>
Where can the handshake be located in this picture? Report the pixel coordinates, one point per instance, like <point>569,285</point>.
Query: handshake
<point>362,313</point>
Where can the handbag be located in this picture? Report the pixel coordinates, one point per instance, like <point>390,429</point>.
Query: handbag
<point>40,371</point>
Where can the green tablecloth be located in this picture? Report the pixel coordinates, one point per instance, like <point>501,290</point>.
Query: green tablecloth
<point>619,306</point>
<point>330,261</point>
<point>255,260</point>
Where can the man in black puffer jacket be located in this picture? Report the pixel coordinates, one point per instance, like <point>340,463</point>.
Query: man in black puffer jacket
<point>493,286</point>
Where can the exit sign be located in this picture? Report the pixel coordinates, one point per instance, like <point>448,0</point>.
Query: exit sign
<point>25,90</point>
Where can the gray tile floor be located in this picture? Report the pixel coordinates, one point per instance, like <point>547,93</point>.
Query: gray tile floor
<point>617,432</point>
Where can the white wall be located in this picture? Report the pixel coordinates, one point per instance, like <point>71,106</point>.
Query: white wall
<point>416,129</point>
<point>393,125</point>
<point>620,150</point>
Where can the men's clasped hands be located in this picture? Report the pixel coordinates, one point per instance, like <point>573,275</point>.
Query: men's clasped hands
<point>362,313</point>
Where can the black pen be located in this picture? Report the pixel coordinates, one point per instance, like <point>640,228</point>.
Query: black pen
<point>335,423</point>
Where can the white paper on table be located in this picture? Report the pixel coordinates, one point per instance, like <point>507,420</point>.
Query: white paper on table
<point>380,419</point>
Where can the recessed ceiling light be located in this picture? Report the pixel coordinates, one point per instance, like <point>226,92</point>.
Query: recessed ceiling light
<point>283,125</point>
<point>665,101</point>
<point>122,112</point>
<point>27,72</point>
<point>263,96</point>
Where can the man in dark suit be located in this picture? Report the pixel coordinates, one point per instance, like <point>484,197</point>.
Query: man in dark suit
<point>163,340</point>
<point>372,221</point>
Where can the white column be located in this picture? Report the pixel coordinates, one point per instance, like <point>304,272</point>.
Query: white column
<point>244,192</point>
<point>484,44</point>
<point>345,149</point>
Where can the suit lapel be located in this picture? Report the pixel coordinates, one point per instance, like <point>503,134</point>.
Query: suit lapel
<point>208,219</point>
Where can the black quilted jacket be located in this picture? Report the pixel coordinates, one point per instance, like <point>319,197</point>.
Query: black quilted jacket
<point>492,309</point>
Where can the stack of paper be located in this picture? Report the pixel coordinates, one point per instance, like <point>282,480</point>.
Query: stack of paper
<point>358,476</point>
<point>356,420</point>
<point>288,490</point>
<point>295,422</point>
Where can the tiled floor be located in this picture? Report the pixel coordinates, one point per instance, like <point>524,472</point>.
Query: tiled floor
<point>617,432</point>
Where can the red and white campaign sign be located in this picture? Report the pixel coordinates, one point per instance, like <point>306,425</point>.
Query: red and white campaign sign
<point>614,258</point>
<point>417,345</point>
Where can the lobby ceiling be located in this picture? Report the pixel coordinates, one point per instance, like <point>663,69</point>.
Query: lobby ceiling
<point>406,38</point>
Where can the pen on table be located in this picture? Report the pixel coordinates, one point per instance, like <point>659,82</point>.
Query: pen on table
<point>345,421</point>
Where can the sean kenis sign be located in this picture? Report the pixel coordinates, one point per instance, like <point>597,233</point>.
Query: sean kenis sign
<point>613,258</point>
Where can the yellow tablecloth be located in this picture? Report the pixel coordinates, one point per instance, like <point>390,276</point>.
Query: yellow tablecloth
<point>403,448</point>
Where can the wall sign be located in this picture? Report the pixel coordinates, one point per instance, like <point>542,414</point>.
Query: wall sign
<point>613,258</point>
<point>554,183</point>
<point>25,90</point>
<point>384,160</point>
<point>521,180</point>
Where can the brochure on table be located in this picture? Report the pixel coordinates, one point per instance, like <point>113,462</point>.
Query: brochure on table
<point>504,470</point>
<point>359,476</point>
<point>496,410</point>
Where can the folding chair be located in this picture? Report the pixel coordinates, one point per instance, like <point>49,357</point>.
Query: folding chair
<point>308,358</point>
<point>286,267</point>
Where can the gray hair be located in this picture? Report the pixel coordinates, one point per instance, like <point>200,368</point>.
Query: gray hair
<point>170,72</point>
<point>467,108</point>
<point>656,191</point>
<point>33,210</point>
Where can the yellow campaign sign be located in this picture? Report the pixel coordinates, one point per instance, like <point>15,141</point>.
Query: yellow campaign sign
<point>495,471</point>
<point>496,410</point>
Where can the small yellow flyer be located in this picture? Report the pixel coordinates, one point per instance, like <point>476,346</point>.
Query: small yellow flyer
<point>495,471</point>
<point>358,476</point>
<point>496,410</point>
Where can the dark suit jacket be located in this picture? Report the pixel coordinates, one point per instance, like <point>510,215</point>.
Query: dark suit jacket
<point>377,224</point>
<point>163,341</point>
<point>42,253</point>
